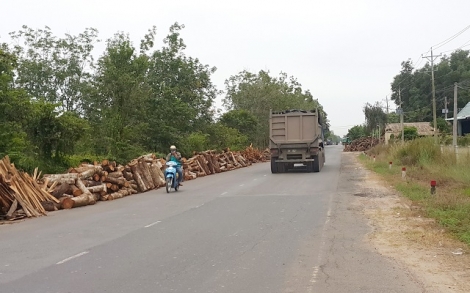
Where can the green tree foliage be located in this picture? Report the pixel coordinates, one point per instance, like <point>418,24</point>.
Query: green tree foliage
<point>58,105</point>
<point>258,93</point>
<point>442,125</point>
<point>55,69</point>
<point>375,117</point>
<point>416,91</point>
<point>242,120</point>
<point>356,132</point>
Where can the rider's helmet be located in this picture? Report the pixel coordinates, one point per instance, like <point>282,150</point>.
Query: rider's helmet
<point>172,148</point>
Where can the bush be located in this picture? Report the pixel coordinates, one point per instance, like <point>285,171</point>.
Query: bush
<point>419,151</point>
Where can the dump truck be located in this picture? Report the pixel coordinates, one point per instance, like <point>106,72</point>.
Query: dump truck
<point>296,137</point>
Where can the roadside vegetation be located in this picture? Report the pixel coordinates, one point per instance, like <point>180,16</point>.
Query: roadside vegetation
<point>61,102</point>
<point>425,161</point>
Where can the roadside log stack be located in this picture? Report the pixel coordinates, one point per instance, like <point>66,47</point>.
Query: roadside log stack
<point>87,184</point>
<point>22,195</point>
<point>361,144</point>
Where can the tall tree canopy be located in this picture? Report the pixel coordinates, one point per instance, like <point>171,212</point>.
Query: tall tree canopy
<point>258,93</point>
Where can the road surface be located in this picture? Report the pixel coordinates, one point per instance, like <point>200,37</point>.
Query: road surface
<point>242,231</point>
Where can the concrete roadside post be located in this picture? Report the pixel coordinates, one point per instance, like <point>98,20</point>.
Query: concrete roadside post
<point>403,172</point>
<point>390,165</point>
<point>433,186</point>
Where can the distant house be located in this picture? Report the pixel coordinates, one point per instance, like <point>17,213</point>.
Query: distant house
<point>424,129</point>
<point>463,120</point>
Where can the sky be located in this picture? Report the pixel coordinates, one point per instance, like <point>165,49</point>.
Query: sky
<point>345,52</point>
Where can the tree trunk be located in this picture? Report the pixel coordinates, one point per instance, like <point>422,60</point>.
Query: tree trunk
<point>76,191</point>
<point>144,168</point>
<point>61,177</point>
<point>90,172</point>
<point>61,189</point>
<point>96,189</point>
<point>137,177</point>
<point>119,194</point>
<point>66,202</point>
<point>118,181</point>
<point>48,206</point>
<point>127,175</point>
<point>116,174</point>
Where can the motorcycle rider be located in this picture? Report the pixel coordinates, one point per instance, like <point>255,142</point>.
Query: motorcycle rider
<point>176,157</point>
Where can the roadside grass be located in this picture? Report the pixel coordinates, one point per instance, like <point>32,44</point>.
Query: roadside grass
<point>424,161</point>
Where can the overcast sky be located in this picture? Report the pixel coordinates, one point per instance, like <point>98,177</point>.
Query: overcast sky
<point>345,52</point>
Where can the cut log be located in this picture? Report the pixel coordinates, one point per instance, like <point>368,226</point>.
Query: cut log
<point>49,206</point>
<point>127,175</point>
<point>114,187</point>
<point>118,181</point>
<point>66,203</point>
<point>76,191</point>
<point>90,172</point>
<point>61,177</point>
<point>145,171</point>
<point>96,189</point>
<point>116,174</point>
<point>61,189</point>
<point>119,194</point>
<point>137,176</point>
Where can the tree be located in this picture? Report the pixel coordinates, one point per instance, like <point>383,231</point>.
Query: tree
<point>118,111</point>
<point>55,69</point>
<point>242,120</point>
<point>259,93</point>
<point>181,93</point>
<point>356,132</point>
<point>14,110</point>
<point>375,117</point>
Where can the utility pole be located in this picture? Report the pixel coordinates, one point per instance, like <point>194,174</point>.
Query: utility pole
<point>445,107</point>
<point>386,101</point>
<point>432,58</point>
<point>454,129</point>
<point>401,117</point>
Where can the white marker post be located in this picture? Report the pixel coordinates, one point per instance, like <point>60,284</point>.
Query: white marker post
<point>374,158</point>
<point>403,172</point>
<point>390,165</point>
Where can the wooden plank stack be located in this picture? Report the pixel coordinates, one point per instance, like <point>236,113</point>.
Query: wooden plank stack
<point>21,195</point>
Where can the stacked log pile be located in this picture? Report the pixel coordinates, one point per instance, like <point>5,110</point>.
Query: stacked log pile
<point>87,184</point>
<point>209,162</point>
<point>21,195</point>
<point>361,144</point>
<point>255,155</point>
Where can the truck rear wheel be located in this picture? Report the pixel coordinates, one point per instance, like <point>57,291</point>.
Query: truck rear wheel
<point>316,163</point>
<point>273,166</point>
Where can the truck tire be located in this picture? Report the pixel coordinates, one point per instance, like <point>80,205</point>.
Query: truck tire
<point>316,164</point>
<point>309,167</point>
<point>281,167</point>
<point>274,169</point>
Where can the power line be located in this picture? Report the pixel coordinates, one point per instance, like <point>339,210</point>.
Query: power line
<point>438,45</point>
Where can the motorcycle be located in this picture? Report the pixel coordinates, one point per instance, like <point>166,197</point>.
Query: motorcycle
<point>171,176</point>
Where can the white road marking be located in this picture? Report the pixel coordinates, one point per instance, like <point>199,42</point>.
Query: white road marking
<point>264,175</point>
<point>224,193</point>
<point>255,179</point>
<point>150,225</point>
<point>72,257</point>
<point>242,184</point>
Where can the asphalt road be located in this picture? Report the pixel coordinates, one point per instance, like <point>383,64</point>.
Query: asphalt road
<point>242,231</point>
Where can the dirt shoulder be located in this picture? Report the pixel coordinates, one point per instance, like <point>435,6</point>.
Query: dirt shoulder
<point>399,232</point>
